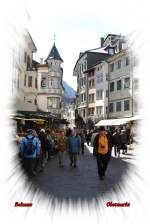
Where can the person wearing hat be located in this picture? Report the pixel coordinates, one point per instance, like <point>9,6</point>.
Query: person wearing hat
<point>102,148</point>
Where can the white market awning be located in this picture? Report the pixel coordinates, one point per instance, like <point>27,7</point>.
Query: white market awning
<point>107,122</point>
<point>119,121</point>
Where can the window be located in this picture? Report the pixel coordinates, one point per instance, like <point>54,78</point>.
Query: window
<point>30,81</point>
<point>112,86</point>
<point>36,83</point>
<point>28,62</point>
<point>91,111</point>
<point>127,61</point>
<point>112,67</point>
<point>127,83</point>
<point>84,80</point>
<point>85,65</point>
<point>119,83</point>
<point>126,105</point>
<point>83,112</point>
<point>111,107</point>
<point>84,96</point>
<point>106,93</point>
<point>25,57</point>
<point>25,80</point>
<point>91,98</point>
<point>110,50</point>
<point>106,110</point>
<point>119,64</point>
<point>91,83</point>
<point>81,82</point>
<point>53,102</point>
<point>99,110</point>
<point>101,78</point>
<point>82,67</point>
<point>35,101</point>
<point>118,106</point>
<point>99,94</point>
<point>98,79</point>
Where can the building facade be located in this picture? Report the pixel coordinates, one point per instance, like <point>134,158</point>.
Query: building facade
<point>24,75</point>
<point>120,85</point>
<point>101,79</point>
<point>106,86</point>
<point>36,86</point>
<point>84,72</point>
<point>50,88</point>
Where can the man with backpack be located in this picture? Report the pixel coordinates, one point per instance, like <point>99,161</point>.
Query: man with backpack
<point>30,149</point>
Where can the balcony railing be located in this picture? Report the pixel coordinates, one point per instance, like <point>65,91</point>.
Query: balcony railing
<point>52,91</point>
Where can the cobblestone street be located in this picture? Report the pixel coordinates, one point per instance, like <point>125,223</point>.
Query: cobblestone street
<point>83,182</point>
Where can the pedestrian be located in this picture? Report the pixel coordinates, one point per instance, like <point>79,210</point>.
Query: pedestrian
<point>30,149</point>
<point>62,147</point>
<point>88,137</point>
<point>43,139</point>
<point>39,156</point>
<point>49,144</point>
<point>82,136</point>
<point>102,148</point>
<point>124,141</point>
<point>116,142</point>
<point>74,147</point>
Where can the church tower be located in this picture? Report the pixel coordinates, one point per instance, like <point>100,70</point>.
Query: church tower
<point>50,79</point>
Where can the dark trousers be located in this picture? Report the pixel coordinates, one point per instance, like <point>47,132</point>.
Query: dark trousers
<point>124,147</point>
<point>117,149</point>
<point>38,164</point>
<point>82,145</point>
<point>102,163</point>
<point>29,165</point>
<point>73,158</point>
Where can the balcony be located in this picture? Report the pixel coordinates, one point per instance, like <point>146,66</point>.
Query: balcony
<point>51,91</point>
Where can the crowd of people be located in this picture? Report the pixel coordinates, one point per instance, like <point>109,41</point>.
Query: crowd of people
<point>38,147</point>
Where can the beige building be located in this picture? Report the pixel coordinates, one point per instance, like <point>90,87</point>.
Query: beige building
<point>36,86</point>
<point>50,88</point>
<point>24,75</point>
<point>120,77</point>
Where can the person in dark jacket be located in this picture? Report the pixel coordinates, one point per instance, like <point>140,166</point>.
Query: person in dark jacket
<point>43,140</point>
<point>124,141</point>
<point>88,137</point>
<point>102,148</point>
<point>116,142</point>
<point>83,139</point>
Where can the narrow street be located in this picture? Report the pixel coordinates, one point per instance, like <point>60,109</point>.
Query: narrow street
<point>83,182</point>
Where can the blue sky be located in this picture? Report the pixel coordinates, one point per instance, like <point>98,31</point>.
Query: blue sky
<point>78,26</point>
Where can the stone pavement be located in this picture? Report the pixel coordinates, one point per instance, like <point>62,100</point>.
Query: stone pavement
<point>83,182</point>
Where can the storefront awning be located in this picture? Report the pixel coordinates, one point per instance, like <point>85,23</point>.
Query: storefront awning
<point>119,121</point>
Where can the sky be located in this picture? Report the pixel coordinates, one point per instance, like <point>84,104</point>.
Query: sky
<point>78,26</point>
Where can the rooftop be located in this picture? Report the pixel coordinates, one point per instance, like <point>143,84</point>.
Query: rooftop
<point>54,54</point>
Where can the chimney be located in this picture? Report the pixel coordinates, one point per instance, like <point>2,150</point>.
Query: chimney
<point>41,60</point>
<point>101,41</point>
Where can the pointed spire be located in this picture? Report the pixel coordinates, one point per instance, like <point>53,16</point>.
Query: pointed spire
<point>54,54</point>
